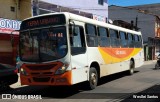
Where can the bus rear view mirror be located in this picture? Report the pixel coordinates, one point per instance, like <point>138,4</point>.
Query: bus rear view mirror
<point>72,31</point>
<point>72,28</point>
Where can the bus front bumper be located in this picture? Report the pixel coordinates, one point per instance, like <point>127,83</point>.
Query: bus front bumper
<point>55,80</point>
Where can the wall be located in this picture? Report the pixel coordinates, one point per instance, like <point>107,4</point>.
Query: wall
<point>22,9</point>
<point>25,9</point>
<point>5,9</point>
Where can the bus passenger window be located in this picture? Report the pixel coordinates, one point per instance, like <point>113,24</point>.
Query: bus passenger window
<point>130,40</point>
<point>140,41</point>
<point>136,38</point>
<point>92,39</point>
<point>123,38</point>
<point>140,38</point>
<point>136,41</point>
<point>104,40</point>
<point>77,41</point>
<point>114,38</point>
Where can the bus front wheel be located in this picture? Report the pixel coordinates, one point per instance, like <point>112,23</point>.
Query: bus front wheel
<point>131,69</point>
<point>93,78</point>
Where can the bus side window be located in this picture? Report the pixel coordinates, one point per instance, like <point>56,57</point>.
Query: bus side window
<point>114,38</point>
<point>104,40</point>
<point>130,40</point>
<point>77,41</point>
<point>91,34</point>
<point>133,41</point>
<point>123,40</point>
<point>140,41</point>
<point>136,41</point>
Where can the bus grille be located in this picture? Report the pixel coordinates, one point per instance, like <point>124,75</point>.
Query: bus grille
<point>42,73</point>
<point>41,67</point>
<point>41,79</point>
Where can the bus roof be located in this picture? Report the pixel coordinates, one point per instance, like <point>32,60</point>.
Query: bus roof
<point>88,20</point>
<point>99,23</point>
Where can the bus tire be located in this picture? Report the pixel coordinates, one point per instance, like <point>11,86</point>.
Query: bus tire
<point>131,68</point>
<point>93,78</point>
<point>156,66</point>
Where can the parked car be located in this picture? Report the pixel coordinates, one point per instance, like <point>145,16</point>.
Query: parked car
<point>8,76</point>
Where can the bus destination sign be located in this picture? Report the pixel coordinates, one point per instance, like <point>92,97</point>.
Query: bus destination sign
<point>43,21</point>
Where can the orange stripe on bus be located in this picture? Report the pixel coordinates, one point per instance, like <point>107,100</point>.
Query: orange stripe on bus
<point>113,55</point>
<point>118,52</point>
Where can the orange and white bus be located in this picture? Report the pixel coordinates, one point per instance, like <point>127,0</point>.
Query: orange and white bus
<point>66,49</point>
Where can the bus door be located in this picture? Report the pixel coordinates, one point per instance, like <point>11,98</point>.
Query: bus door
<point>78,54</point>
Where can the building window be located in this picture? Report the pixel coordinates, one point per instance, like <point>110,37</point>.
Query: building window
<point>100,2</point>
<point>12,9</point>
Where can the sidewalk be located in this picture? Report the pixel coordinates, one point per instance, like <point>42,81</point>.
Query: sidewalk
<point>16,84</point>
<point>149,62</point>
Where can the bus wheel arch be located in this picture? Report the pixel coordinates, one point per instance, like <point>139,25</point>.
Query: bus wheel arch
<point>97,67</point>
<point>131,66</point>
<point>94,75</point>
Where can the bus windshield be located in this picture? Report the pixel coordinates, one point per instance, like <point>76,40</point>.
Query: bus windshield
<point>43,44</point>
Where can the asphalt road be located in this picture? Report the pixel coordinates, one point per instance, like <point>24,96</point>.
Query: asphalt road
<point>143,85</point>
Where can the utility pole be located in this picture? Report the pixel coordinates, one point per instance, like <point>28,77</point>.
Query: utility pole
<point>35,5</point>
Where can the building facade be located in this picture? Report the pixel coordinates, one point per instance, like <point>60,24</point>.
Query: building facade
<point>11,14</point>
<point>15,9</point>
<point>96,9</point>
<point>148,24</point>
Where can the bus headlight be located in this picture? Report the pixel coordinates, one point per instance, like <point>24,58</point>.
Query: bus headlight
<point>22,71</point>
<point>62,69</point>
